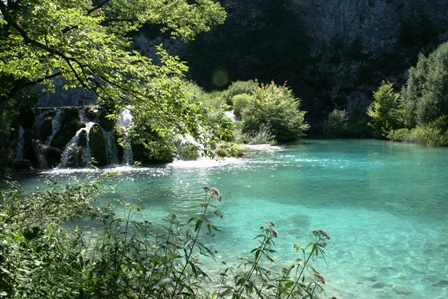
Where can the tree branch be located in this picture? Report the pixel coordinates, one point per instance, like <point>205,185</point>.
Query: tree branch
<point>98,7</point>
<point>23,83</point>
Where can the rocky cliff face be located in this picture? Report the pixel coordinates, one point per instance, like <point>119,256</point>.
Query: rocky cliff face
<point>378,24</point>
<point>332,53</point>
<point>359,43</point>
<point>347,47</point>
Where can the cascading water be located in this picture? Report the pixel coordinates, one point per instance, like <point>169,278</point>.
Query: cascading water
<point>75,154</point>
<point>93,141</point>
<point>111,147</point>
<point>77,151</point>
<point>55,125</point>
<point>125,120</point>
<point>19,146</point>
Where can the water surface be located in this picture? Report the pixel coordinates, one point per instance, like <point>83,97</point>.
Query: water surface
<point>384,205</point>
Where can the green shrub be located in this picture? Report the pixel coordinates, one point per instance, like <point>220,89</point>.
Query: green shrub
<point>336,124</point>
<point>229,149</point>
<point>425,95</point>
<point>222,126</point>
<point>216,101</point>
<point>424,135</point>
<point>241,102</point>
<point>276,108</point>
<point>262,136</point>
<point>189,151</point>
<point>236,88</point>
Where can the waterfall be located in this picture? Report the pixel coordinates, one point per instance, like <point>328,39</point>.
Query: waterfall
<point>55,125</point>
<point>111,147</point>
<point>75,154</point>
<point>125,120</point>
<point>20,142</point>
<point>79,150</point>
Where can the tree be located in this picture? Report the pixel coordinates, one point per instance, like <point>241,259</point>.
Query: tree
<point>425,95</point>
<point>87,44</point>
<point>336,124</point>
<point>384,110</point>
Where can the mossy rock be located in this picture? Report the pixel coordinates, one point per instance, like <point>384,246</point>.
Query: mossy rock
<point>27,118</point>
<point>91,113</point>
<point>82,141</point>
<point>46,128</point>
<point>22,165</point>
<point>97,145</point>
<point>53,156</point>
<point>105,122</point>
<point>144,156</point>
<point>70,125</point>
<point>28,149</point>
<point>138,152</point>
<point>119,135</point>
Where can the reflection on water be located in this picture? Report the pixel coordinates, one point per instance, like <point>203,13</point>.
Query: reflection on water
<point>384,205</point>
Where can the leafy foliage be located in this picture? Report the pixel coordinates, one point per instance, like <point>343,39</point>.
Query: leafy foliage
<point>384,110</point>
<point>87,45</point>
<point>337,123</point>
<point>133,259</point>
<point>425,95</point>
<point>274,107</point>
<point>238,88</point>
<point>420,113</point>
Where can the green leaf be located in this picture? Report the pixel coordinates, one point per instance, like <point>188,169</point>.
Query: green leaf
<point>289,284</point>
<point>198,225</point>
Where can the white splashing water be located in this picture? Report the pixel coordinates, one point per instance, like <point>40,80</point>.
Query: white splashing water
<point>73,148</point>
<point>111,147</point>
<point>125,120</point>
<point>55,125</point>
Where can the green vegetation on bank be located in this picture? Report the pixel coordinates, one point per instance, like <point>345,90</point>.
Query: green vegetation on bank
<point>124,258</point>
<point>419,113</point>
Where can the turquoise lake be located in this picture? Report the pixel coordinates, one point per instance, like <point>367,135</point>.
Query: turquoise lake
<point>384,204</point>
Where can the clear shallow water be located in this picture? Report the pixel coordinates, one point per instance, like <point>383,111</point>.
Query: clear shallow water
<point>384,204</point>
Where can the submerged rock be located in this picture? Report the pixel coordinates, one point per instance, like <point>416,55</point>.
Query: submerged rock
<point>97,145</point>
<point>402,290</point>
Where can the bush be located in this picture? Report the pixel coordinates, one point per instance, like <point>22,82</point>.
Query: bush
<point>215,100</point>
<point>425,135</point>
<point>237,88</point>
<point>223,127</point>
<point>241,102</point>
<point>228,149</point>
<point>425,95</point>
<point>189,151</point>
<point>262,136</point>
<point>276,108</point>
<point>337,123</point>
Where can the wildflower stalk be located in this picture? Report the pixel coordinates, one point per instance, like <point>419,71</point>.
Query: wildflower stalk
<point>316,249</point>
<point>191,244</point>
<point>262,250</point>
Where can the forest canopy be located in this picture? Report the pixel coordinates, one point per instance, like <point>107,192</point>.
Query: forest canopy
<point>87,45</point>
